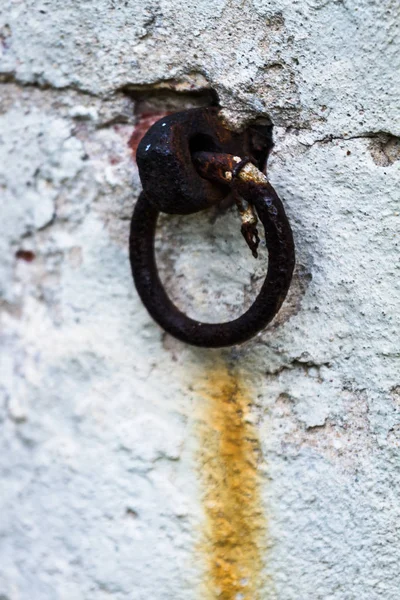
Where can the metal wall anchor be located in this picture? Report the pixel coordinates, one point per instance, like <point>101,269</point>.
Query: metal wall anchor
<point>189,162</point>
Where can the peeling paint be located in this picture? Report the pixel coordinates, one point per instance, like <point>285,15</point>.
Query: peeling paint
<point>99,437</point>
<point>235,527</point>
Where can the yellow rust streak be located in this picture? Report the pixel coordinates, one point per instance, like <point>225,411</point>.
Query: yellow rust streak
<point>235,528</point>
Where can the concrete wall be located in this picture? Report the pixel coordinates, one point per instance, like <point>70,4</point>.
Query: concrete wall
<point>133,466</point>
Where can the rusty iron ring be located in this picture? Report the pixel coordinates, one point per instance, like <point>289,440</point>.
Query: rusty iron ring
<point>255,189</point>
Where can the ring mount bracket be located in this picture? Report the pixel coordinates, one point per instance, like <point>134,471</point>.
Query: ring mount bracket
<point>164,158</point>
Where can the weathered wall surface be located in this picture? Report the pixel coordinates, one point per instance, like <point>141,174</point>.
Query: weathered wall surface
<point>132,466</point>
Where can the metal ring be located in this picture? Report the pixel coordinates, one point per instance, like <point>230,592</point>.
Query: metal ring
<point>279,240</point>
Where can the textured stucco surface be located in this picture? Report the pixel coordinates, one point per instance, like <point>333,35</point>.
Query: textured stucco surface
<point>103,493</point>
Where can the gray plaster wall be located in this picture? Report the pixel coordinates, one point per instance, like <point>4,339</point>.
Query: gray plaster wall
<point>103,494</point>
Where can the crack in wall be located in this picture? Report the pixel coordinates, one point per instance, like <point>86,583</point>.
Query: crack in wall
<point>11,78</point>
<point>384,147</point>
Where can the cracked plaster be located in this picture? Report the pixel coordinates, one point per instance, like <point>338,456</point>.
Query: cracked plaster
<point>100,487</point>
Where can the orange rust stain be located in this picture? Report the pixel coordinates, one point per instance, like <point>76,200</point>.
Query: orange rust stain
<point>234,540</point>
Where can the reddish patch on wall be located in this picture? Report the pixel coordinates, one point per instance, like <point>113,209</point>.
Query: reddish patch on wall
<point>26,255</point>
<point>234,538</point>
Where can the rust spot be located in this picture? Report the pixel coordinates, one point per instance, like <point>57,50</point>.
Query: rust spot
<point>26,255</point>
<point>234,539</point>
<point>144,122</point>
